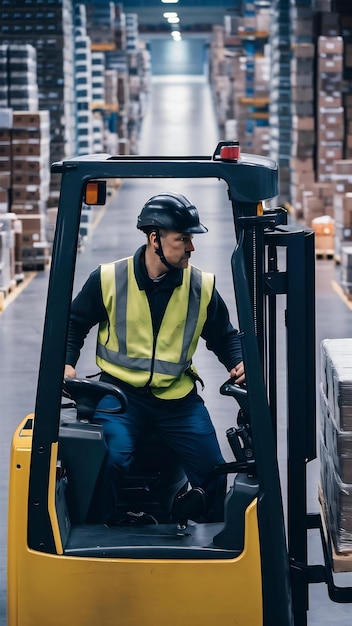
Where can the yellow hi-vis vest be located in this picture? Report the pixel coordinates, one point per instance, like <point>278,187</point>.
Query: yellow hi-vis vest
<point>126,347</point>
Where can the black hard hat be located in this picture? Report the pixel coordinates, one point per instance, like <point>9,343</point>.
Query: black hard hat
<point>171,211</point>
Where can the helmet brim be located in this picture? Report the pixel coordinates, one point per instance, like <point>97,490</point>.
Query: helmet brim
<point>200,228</point>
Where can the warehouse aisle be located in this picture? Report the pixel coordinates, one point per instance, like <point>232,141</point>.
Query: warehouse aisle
<point>180,121</point>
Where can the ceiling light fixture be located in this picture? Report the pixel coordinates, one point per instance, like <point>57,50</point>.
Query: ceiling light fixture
<point>176,35</point>
<point>169,1</point>
<point>173,20</point>
<point>168,14</point>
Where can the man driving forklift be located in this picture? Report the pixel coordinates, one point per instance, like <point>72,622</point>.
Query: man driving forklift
<point>151,309</point>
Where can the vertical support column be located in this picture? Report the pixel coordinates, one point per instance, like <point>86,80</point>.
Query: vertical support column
<point>296,282</point>
<point>301,416</point>
<point>248,272</point>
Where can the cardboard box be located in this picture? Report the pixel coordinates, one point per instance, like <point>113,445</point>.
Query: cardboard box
<point>22,163</point>
<point>330,45</point>
<point>330,152</point>
<point>5,165</point>
<point>303,123</point>
<point>324,226</point>
<point>302,165</point>
<point>329,100</point>
<point>30,178</point>
<point>24,119</point>
<point>5,180</point>
<point>330,64</point>
<point>342,204</point>
<point>330,117</point>
<point>23,193</point>
<point>5,135</point>
<point>304,50</point>
<point>5,150</point>
<point>32,223</point>
<point>30,149</point>
<point>324,243</point>
<point>343,167</point>
<point>29,208</point>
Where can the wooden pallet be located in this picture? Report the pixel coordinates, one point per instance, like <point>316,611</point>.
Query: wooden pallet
<point>324,254</point>
<point>5,292</point>
<point>341,560</point>
<point>17,286</point>
<point>11,286</point>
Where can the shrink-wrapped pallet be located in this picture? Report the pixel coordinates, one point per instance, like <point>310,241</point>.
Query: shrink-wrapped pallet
<point>336,440</point>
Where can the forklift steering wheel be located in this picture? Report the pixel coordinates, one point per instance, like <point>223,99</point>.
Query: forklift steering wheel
<point>86,394</point>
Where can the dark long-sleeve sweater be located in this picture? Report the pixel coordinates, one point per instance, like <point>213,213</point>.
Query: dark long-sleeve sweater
<point>88,310</point>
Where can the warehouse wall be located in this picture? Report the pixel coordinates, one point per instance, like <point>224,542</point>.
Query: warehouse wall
<point>170,57</point>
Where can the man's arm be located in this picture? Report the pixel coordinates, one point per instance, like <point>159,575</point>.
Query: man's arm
<point>222,338</point>
<point>87,310</point>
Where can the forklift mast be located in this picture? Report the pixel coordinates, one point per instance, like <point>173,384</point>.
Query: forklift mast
<point>263,239</point>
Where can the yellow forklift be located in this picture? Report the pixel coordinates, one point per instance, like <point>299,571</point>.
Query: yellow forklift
<point>67,567</point>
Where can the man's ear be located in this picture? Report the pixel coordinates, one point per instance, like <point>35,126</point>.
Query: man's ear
<point>154,240</point>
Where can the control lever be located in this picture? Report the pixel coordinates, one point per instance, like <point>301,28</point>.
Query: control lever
<point>240,442</point>
<point>233,437</point>
<point>239,392</point>
<point>240,438</point>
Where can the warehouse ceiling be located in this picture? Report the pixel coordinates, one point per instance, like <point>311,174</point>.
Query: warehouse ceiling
<point>194,16</point>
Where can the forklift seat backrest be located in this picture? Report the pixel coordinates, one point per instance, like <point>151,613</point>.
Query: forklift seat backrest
<point>82,449</point>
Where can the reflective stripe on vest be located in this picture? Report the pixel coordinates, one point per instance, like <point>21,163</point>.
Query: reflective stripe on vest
<point>125,343</point>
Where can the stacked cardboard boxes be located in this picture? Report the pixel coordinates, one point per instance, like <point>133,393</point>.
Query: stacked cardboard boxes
<point>6,117</point>
<point>48,28</point>
<point>117,57</point>
<point>22,77</point>
<point>106,24</point>
<point>342,181</point>
<point>336,74</point>
<point>132,35</point>
<point>30,184</point>
<point>239,76</point>
<point>18,77</point>
<point>330,113</point>
<point>318,201</point>
<point>280,92</point>
<point>4,88</point>
<point>303,125</point>
<point>324,228</point>
<point>7,260</point>
<point>346,32</point>
<point>30,158</point>
<point>224,77</point>
<point>307,113</point>
<point>24,148</point>
<point>303,133</point>
<point>83,83</point>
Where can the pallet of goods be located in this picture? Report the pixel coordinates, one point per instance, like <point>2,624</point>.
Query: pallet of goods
<point>336,449</point>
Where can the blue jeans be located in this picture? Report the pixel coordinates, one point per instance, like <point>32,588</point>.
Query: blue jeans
<point>184,424</point>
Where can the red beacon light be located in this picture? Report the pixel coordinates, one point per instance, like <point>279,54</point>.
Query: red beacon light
<point>230,152</point>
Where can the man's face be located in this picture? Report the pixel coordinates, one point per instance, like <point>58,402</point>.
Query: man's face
<point>177,247</point>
